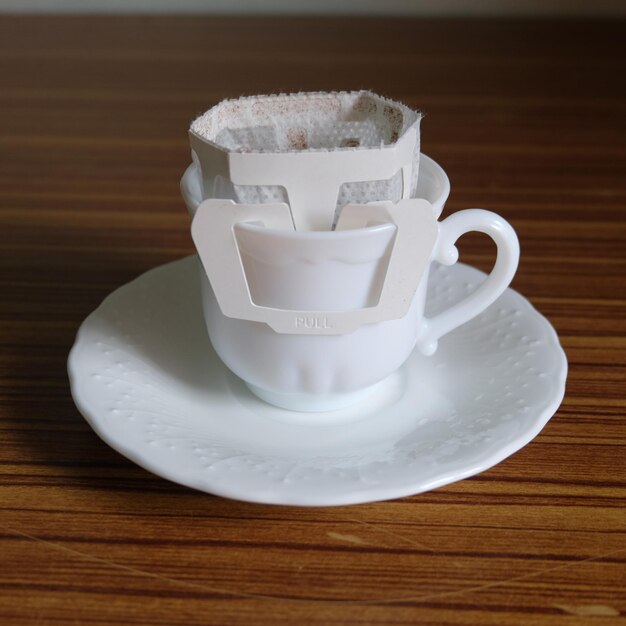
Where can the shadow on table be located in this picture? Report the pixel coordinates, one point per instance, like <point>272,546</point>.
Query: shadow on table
<point>51,438</point>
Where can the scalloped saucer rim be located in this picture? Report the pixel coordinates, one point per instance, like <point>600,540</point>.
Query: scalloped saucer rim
<point>144,376</point>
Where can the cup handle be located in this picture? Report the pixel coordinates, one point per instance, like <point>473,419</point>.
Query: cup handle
<point>507,258</point>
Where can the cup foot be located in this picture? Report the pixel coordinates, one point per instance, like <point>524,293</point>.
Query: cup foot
<point>313,403</point>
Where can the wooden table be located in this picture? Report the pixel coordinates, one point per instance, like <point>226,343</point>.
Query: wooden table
<point>528,118</point>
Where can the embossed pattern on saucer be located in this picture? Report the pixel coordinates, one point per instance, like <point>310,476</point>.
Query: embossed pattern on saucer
<point>144,375</point>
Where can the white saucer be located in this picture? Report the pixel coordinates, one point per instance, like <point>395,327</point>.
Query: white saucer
<point>145,377</point>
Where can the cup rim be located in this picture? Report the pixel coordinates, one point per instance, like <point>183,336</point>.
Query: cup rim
<point>432,170</point>
<point>318,235</point>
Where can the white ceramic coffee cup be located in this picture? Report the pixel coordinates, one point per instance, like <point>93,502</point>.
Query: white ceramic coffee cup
<point>341,271</point>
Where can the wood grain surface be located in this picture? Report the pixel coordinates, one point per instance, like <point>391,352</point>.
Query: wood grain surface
<point>527,117</point>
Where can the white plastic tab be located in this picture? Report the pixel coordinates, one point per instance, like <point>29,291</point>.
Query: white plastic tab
<point>213,232</point>
<point>313,179</point>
